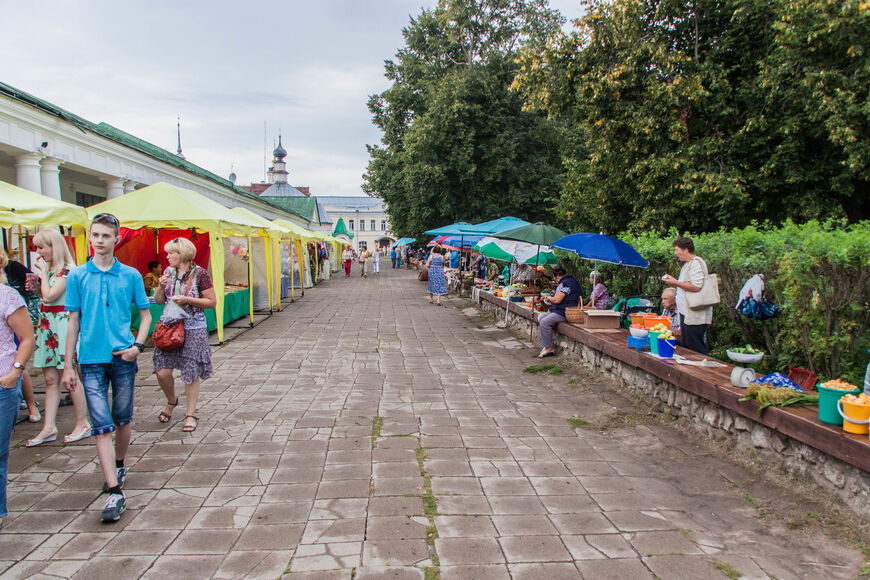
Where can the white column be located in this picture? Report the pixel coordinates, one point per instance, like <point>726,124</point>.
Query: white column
<point>49,172</point>
<point>114,187</point>
<point>129,186</point>
<point>27,166</point>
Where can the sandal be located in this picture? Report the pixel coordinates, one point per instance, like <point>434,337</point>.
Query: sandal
<point>189,428</point>
<point>164,417</point>
<point>73,437</point>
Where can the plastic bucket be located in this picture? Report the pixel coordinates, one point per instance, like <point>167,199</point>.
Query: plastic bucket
<point>666,347</point>
<point>828,399</point>
<point>654,342</point>
<point>856,418</point>
<point>651,320</point>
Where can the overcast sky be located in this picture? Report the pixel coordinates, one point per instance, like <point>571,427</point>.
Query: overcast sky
<point>225,67</point>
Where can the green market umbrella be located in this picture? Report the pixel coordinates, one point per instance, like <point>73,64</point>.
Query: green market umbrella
<point>540,234</point>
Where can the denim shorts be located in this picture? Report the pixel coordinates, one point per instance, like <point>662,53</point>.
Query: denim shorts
<point>95,380</point>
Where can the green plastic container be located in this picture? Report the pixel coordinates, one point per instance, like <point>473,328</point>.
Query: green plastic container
<point>828,404</point>
<point>654,343</point>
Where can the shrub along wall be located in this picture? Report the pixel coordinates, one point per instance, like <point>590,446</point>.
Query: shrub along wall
<point>819,274</point>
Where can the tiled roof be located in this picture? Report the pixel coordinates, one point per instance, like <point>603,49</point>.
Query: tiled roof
<point>300,205</point>
<point>350,201</point>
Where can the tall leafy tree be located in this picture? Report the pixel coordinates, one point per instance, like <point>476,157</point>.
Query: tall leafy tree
<point>700,114</point>
<point>457,143</point>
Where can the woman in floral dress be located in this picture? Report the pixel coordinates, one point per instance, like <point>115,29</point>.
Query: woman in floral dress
<point>437,282</point>
<point>53,265</point>
<point>189,286</point>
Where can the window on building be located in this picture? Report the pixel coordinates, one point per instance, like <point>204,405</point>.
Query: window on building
<point>362,245</point>
<point>350,225</point>
<point>362,225</point>
<point>383,225</point>
<point>372,223</point>
<point>87,200</point>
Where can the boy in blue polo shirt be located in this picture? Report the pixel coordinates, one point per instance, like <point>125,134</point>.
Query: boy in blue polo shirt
<point>98,297</point>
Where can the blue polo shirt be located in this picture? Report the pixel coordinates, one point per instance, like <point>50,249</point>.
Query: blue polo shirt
<point>103,299</point>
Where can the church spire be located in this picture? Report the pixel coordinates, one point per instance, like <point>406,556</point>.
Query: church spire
<point>178,152</point>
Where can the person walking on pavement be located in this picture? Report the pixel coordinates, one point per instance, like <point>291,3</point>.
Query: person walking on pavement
<point>376,261</point>
<point>14,321</point>
<point>393,257</point>
<point>189,286</point>
<point>98,298</point>
<point>347,260</point>
<point>437,281</point>
<point>364,260</point>
<point>54,264</point>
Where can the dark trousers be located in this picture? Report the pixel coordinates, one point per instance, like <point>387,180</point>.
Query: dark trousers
<point>693,336</point>
<point>394,263</point>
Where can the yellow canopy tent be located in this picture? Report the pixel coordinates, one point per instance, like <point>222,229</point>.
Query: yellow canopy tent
<point>29,210</point>
<point>271,234</point>
<point>297,234</point>
<point>163,205</point>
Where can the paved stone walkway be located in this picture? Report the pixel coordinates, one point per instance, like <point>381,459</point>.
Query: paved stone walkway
<point>364,433</point>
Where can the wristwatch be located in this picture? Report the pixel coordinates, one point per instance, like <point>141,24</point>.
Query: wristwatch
<point>18,365</point>
<point>140,346</point>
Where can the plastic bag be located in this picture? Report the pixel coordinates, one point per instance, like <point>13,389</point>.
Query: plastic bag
<point>780,380</point>
<point>172,312</point>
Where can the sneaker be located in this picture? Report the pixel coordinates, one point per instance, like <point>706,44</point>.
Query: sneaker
<point>121,472</point>
<point>115,506</point>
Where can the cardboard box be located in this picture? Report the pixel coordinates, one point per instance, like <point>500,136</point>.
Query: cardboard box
<point>601,319</point>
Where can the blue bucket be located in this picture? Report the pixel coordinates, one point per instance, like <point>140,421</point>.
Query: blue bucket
<point>666,348</point>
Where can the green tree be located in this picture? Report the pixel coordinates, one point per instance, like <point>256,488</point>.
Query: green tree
<point>698,114</point>
<point>457,144</point>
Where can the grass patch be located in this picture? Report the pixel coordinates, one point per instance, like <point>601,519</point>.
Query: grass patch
<point>377,425</point>
<point>574,383</point>
<point>550,368</point>
<point>578,423</point>
<point>431,573</point>
<point>688,535</point>
<point>763,511</point>
<point>727,569</point>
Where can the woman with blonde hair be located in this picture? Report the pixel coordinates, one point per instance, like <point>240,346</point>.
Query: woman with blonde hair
<point>190,287</point>
<point>53,265</point>
<point>14,321</point>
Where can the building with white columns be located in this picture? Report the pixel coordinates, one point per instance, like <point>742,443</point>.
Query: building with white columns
<point>49,150</point>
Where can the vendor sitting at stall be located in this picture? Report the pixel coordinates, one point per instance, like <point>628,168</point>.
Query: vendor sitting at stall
<point>567,296</point>
<point>669,308</point>
<point>599,297</point>
<point>152,278</point>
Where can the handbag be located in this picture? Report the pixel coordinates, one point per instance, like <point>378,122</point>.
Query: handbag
<point>423,276</point>
<point>169,337</point>
<point>708,295</point>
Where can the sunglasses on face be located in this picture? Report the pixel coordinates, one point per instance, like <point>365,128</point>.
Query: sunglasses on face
<point>105,217</point>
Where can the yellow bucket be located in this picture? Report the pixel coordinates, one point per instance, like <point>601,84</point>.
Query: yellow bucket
<point>856,418</point>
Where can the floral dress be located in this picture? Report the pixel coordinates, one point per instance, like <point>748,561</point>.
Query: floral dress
<point>437,281</point>
<point>193,359</point>
<point>51,328</point>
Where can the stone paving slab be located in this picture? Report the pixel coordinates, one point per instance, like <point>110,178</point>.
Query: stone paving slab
<point>362,433</point>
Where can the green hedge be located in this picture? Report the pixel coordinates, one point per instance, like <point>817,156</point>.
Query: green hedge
<point>819,274</point>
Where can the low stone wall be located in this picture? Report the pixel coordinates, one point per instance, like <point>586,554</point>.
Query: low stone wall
<point>846,481</point>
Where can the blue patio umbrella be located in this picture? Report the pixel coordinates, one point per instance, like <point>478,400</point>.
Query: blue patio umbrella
<point>601,248</point>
